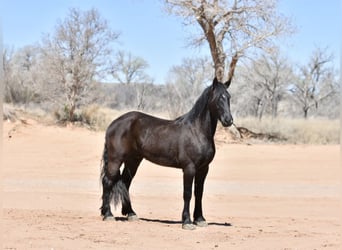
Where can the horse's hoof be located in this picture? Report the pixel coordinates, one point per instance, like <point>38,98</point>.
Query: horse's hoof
<point>132,217</point>
<point>188,226</point>
<point>108,218</point>
<point>201,223</point>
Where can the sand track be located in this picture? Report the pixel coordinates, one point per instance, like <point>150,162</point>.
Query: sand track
<point>256,197</point>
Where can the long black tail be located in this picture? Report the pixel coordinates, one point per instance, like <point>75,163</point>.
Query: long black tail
<point>117,188</point>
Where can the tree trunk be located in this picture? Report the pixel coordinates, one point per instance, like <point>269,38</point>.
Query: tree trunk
<point>219,58</point>
<point>232,66</point>
<point>305,109</point>
<point>72,112</point>
<point>274,107</point>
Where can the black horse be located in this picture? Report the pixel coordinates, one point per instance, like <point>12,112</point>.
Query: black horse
<point>186,143</point>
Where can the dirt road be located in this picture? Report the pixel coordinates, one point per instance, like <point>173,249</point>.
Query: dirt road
<point>256,196</point>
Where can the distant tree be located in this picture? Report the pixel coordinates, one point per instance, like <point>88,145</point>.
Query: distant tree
<point>330,107</point>
<point>21,75</point>
<point>130,69</point>
<point>232,29</point>
<point>315,82</point>
<point>268,78</point>
<point>76,55</point>
<point>7,56</point>
<point>186,82</point>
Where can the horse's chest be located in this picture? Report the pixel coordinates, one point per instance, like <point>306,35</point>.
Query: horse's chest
<point>202,153</point>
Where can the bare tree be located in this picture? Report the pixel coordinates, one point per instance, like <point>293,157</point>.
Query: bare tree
<point>232,28</point>
<point>21,75</point>
<point>130,69</point>
<point>330,107</point>
<point>7,56</point>
<point>315,82</point>
<point>269,77</point>
<point>76,54</point>
<point>186,82</point>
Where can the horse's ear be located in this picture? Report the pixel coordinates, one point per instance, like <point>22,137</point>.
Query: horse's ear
<point>215,82</point>
<point>227,83</point>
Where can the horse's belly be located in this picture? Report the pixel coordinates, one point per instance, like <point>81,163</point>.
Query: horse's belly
<point>163,160</point>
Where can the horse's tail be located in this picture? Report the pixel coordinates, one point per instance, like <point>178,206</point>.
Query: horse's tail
<point>118,190</point>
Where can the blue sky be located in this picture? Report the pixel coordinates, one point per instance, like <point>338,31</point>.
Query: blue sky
<point>148,32</point>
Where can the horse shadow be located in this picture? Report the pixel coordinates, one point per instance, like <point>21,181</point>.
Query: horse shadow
<point>172,222</point>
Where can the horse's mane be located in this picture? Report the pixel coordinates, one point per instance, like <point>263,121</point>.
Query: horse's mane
<point>197,109</point>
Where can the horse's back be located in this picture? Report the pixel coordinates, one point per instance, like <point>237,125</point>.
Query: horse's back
<point>126,132</point>
<point>128,120</point>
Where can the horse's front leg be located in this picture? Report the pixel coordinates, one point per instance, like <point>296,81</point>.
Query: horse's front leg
<point>199,184</point>
<point>188,177</point>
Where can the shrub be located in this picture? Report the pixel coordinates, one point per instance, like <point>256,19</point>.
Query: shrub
<point>92,116</point>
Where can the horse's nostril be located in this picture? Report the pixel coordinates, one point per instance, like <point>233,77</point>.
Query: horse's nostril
<point>226,121</point>
<point>229,122</point>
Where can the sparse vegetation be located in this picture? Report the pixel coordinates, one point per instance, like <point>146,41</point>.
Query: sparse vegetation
<point>296,131</point>
<point>92,116</point>
<point>8,114</point>
<point>280,130</point>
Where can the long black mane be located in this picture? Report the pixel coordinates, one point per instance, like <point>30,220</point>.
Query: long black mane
<point>198,109</point>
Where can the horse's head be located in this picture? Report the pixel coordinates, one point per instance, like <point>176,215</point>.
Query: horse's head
<point>220,102</point>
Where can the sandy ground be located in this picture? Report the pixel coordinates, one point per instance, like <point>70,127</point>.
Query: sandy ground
<point>256,196</point>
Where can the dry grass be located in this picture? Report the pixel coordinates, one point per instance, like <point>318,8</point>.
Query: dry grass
<point>22,112</point>
<point>8,113</point>
<point>92,116</point>
<point>98,118</point>
<point>292,131</point>
<point>296,131</point>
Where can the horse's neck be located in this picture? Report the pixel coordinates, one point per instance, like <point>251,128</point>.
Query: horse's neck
<point>207,123</point>
<point>201,117</point>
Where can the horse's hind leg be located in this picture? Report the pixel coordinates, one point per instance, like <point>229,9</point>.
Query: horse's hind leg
<point>131,166</point>
<point>111,174</point>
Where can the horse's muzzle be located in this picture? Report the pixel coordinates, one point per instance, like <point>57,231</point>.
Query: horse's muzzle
<point>227,122</point>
